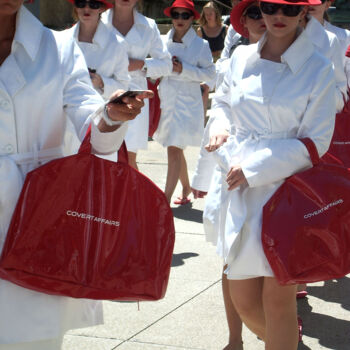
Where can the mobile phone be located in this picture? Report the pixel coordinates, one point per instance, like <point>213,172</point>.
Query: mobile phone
<point>91,70</point>
<point>130,93</point>
<point>176,59</point>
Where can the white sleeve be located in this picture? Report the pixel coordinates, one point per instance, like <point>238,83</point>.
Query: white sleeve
<point>205,68</point>
<point>80,101</point>
<point>159,64</point>
<point>231,38</point>
<point>285,157</point>
<point>120,78</point>
<point>340,76</point>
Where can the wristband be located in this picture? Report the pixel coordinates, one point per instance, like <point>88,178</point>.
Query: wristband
<point>108,120</point>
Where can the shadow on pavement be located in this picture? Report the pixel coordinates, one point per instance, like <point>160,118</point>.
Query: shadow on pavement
<point>179,259</point>
<point>186,212</point>
<point>332,333</point>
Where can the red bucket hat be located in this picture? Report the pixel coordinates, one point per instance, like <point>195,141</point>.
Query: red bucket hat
<point>236,15</point>
<point>295,2</point>
<point>105,2</point>
<point>186,4</point>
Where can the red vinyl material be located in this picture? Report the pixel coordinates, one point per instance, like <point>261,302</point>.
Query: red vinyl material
<point>306,223</point>
<point>86,227</point>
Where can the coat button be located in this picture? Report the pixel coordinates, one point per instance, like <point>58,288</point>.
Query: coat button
<point>8,148</point>
<point>5,104</point>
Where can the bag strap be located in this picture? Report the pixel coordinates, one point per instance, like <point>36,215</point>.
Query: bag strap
<point>311,147</point>
<point>85,148</point>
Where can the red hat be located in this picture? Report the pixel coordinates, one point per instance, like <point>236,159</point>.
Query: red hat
<point>295,2</point>
<point>236,15</point>
<point>186,4</point>
<point>105,2</point>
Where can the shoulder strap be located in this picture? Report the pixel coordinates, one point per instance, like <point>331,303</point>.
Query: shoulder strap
<point>311,147</point>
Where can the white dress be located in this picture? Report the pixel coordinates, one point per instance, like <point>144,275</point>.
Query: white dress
<point>43,82</point>
<point>143,43</point>
<point>268,106</point>
<point>107,54</point>
<point>181,122</point>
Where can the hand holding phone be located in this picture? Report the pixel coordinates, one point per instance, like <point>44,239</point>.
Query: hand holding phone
<point>132,94</point>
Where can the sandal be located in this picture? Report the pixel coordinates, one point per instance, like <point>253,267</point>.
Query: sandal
<point>182,201</point>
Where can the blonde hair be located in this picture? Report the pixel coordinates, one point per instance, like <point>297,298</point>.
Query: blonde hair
<point>211,5</point>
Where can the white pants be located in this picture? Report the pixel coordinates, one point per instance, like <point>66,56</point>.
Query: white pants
<point>51,344</point>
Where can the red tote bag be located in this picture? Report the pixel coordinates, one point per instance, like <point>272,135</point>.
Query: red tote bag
<point>86,227</point>
<point>340,144</point>
<point>306,224</point>
<point>154,107</point>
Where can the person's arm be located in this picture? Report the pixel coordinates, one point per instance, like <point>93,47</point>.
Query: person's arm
<point>159,64</point>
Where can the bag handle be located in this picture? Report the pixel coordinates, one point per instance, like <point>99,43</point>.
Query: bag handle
<point>85,148</point>
<point>311,147</point>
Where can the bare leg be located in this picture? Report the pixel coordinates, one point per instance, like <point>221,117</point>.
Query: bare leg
<point>205,98</point>
<point>132,160</point>
<point>233,320</point>
<point>174,167</point>
<point>246,296</point>
<point>185,182</point>
<point>281,315</point>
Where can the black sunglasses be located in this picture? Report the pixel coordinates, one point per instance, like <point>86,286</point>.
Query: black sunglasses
<point>287,10</point>
<point>183,15</point>
<point>253,12</point>
<point>94,5</point>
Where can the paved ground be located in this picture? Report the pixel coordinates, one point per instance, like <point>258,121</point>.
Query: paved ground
<point>191,316</point>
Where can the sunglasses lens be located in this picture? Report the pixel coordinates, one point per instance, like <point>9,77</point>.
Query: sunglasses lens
<point>175,15</point>
<point>95,5</point>
<point>80,4</point>
<point>287,10</point>
<point>291,10</point>
<point>186,16</point>
<point>254,13</point>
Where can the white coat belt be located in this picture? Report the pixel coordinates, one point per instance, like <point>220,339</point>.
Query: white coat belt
<point>11,180</point>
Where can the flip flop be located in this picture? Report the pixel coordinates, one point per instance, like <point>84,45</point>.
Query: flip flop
<point>302,294</point>
<point>182,201</point>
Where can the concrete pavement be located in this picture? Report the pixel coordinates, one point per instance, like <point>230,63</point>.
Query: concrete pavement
<point>191,316</point>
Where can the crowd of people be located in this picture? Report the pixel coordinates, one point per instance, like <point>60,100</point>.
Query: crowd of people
<point>279,71</point>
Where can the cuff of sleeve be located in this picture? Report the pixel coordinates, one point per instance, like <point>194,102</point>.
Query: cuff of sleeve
<point>107,142</point>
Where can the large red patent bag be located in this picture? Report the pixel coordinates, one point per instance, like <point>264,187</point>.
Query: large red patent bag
<point>86,227</point>
<point>306,224</point>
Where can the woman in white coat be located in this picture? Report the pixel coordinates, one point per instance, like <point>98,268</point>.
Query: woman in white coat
<point>43,82</point>
<point>274,92</point>
<point>181,120</point>
<point>105,54</point>
<point>148,57</point>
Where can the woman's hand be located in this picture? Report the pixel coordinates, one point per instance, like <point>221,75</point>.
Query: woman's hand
<point>217,141</point>
<point>177,65</point>
<point>198,194</point>
<point>97,81</point>
<point>128,110</point>
<point>235,177</point>
<point>135,64</point>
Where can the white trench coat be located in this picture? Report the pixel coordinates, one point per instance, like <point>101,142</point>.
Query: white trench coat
<point>268,106</point>
<point>182,117</point>
<point>42,82</point>
<point>107,54</point>
<point>143,40</point>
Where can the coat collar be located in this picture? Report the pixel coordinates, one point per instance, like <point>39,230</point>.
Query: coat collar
<point>187,38</point>
<point>101,37</point>
<point>316,32</point>
<point>29,32</point>
<point>297,54</point>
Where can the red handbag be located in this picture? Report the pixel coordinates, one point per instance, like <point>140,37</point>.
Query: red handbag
<point>306,224</point>
<point>340,144</point>
<point>86,227</point>
<point>154,107</point>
